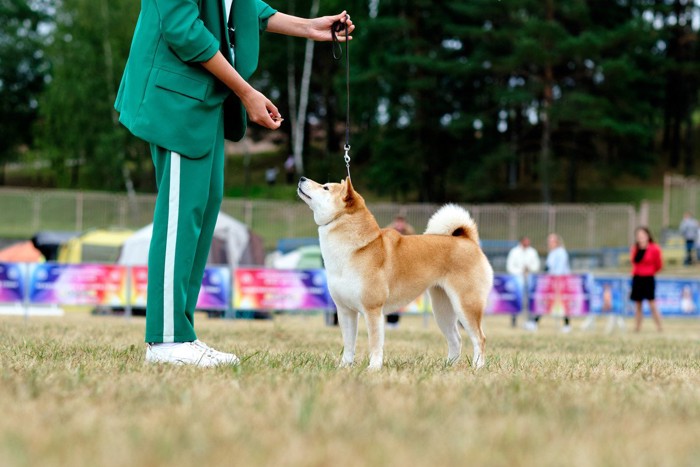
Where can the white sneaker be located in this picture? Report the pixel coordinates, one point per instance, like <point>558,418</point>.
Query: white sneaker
<point>223,357</point>
<point>530,326</point>
<point>566,329</point>
<point>188,353</point>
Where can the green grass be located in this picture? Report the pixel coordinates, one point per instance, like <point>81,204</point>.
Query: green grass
<point>75,391</point>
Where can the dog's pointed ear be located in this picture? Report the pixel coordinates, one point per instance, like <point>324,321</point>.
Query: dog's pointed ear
<point>348,191</point>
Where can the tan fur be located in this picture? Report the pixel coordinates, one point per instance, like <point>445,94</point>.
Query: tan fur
<point>375,271</point>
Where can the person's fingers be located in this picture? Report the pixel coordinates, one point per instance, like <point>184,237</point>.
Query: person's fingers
<point>274,113</point>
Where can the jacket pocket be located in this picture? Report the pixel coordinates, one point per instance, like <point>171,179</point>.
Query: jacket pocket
<point>182,84</point>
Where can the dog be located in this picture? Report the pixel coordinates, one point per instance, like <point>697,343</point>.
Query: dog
<point>373,271</point>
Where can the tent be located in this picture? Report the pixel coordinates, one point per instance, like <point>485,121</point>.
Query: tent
<point>97,246</point>
<point>23,252</point>
<point>233,244</point>
<point>305,257</point>
<point>49,241</point>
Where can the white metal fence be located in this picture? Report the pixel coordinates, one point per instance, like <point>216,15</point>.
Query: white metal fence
<point>25,212</point>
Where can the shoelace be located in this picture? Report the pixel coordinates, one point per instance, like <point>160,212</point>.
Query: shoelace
<point>206,350</point>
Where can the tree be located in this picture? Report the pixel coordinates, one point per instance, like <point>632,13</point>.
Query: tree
<point>23,71</point>
<point>79,128</point>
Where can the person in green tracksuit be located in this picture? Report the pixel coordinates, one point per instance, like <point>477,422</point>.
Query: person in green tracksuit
<point>184,90</point>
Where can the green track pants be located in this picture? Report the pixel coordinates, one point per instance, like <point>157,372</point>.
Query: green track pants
<point>187,206</point>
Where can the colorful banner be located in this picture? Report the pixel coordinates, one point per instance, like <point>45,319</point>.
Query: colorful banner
<point>277,289</point>
<point>139,286</point>
<point>609,295</point>
<point>77,284</point>
<point>674,297</point>
<point>215,293</point>
<point>567,295</point>
<point>506,296</point>
<point>12,282</point>
<point>420,305</point>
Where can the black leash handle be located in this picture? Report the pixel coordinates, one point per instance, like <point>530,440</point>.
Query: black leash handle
<point>337,27</point>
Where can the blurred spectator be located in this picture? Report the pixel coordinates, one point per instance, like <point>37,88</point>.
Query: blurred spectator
<point>289,169</point>
<point>522,261</point>
<point>646,262</point>
<point>689,230</point>
<point>556,264</point>
<point>400,225</point>
<point>271,175</point>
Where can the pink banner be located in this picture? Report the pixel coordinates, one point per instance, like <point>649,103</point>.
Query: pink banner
<point>77,284</point>
<point>276,289</point>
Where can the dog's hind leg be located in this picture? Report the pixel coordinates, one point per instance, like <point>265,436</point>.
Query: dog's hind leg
<point>375,329</point>
<point>347,319</point>
<point>469,312</point>
<point>447,322</point>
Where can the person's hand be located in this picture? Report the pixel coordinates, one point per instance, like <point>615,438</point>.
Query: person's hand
<point>320,28</point>
<point>260,109</point>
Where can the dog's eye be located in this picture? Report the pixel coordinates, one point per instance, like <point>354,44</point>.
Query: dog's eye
<point>325,187</point>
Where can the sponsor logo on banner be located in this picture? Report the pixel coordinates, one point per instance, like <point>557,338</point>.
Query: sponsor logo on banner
<point>674,297</point>
<point>506,296</point>
<point>278,289</point>
<point>77,284</point>
<point>567,295</point>
<point>12,282</point>
<point>609,294</point>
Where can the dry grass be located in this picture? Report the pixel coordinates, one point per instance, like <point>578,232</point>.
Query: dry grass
<point>74,391</point>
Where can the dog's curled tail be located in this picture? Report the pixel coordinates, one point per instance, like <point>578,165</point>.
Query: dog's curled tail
<point>453,220</point>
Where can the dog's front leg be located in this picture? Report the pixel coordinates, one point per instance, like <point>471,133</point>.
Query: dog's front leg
<point>347,319</point>
<point>375,329</point>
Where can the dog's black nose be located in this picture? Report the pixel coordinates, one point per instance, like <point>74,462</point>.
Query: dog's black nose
<point>302,179</point>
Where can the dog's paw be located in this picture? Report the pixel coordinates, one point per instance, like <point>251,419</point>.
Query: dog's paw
<point>345,364</point>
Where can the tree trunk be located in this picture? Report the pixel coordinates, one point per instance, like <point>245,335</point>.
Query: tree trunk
<point>300,122</point>
<point>112,94</point>
<point>546,143</point>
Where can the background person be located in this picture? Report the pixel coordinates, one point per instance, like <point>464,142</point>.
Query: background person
<point>689,229</point>
<point>556,264</point>
<point>184,90</point>
<point>401,225</point>
<point>522,261</point>
<point>646,262</point>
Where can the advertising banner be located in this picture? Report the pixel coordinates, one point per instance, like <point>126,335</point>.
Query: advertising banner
<point>675,297</point>
<point>278,289</point>
<point>419,305</point>
<point>215,293</point>
<point>139,286</point>
<point>77,284</point>
<point>609,295</point>
<point>12,282</point>
<point>567,295</point>
<point>506,296</point>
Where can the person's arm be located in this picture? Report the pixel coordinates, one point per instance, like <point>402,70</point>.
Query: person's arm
<point>317,29</point>
<point>184,31</point>
<point>260,109</point>
<point>659,259</point>
<point>511,265</point>
<point>535,263</point>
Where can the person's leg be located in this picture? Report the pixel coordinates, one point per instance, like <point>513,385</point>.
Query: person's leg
<point>177,226</point>
<point>213,197</point>
<point>688,250</point>
<point>655,314</point>
<point>637,316</point>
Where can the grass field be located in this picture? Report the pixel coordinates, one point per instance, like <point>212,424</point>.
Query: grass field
<point>75,391</point>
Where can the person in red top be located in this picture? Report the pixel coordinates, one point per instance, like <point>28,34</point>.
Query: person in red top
<point>646,262</point>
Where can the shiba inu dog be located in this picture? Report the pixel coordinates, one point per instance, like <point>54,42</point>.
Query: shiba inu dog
<point>373,271</point>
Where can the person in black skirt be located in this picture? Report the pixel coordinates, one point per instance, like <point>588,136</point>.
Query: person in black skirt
<point>646,262</point>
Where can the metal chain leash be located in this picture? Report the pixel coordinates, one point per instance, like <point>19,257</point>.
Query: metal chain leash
<point>337,27</point>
